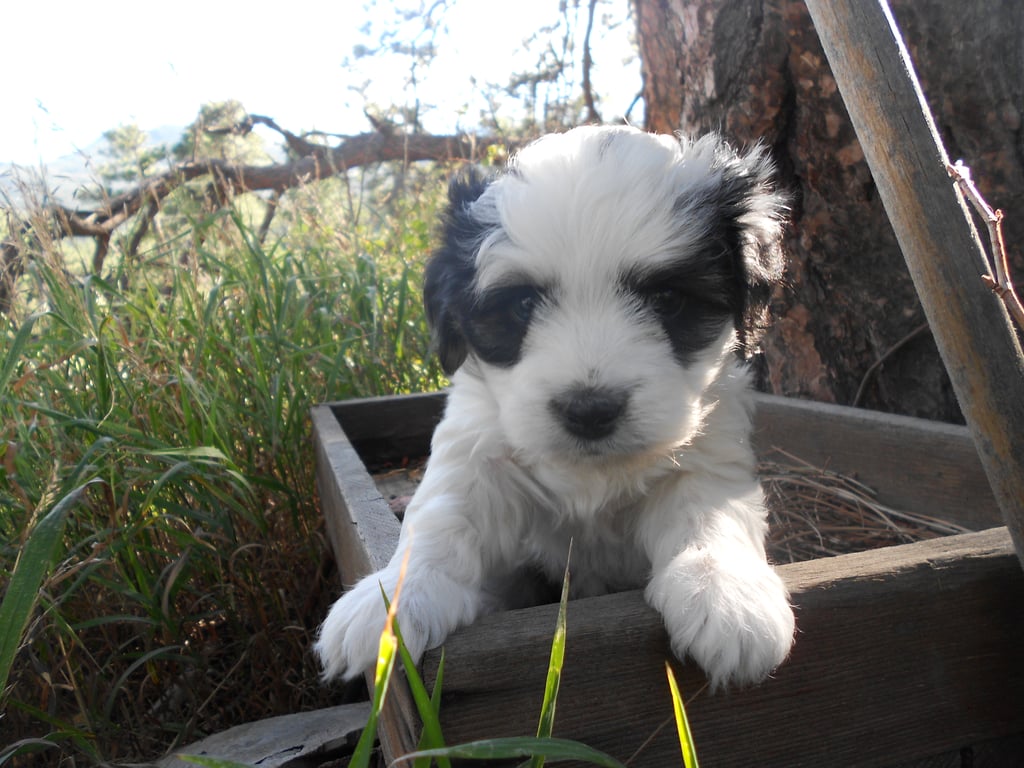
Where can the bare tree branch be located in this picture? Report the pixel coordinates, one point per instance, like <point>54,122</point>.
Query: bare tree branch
<point>11,267</point>
<point>100,254</point>
<point>315,162</point>
<point>145,220</point>
<point>297,144</point>
<point>998,278</point>
<point>593,116</point>
<point>268,217</point>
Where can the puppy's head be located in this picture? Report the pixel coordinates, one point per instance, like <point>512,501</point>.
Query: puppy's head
<point>599,284</point>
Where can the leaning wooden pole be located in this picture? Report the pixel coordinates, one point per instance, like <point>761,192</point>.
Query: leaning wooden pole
<point>946,258</point>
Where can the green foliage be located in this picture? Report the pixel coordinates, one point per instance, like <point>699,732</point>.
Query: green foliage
<point>30,569</point>
<point>686,744</point>
<point>428,705</point>
<point>551,749</point>
<point>129,158</point>
<point>543,747</point>
<point>159,544</point>
<point>554,679</point>
<point>387,651</point>
<point>219,132</point>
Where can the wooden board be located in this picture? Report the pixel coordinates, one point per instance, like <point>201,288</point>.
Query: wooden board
<point>914,464</point>
<point>363,534</point>
<point>902,653</point>
<point>324,736</point>
<point>916,647</point>
<point>925,466</point>
<point>362,530</point>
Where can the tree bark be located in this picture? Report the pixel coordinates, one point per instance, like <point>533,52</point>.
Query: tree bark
<point>755,70</point>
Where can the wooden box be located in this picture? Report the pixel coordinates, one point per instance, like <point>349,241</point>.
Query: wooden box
<point>909,655</point>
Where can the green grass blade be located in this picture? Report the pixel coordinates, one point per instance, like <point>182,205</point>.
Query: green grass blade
<point>428,705</point>
<point>382,676</point>
<point>24,747</point>
<point>30,569</point>
<point>555,663</point>
<point>554,750</point>
<point>14,352</point>
<point>435,695</point>
<point>686,744</point>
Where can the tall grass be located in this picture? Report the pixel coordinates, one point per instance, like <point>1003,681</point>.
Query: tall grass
<point>156,474</point>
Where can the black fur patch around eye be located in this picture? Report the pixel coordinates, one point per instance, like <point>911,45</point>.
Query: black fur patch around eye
<point>692,303</point>
<point>751,257</point>
<point>497,323</point>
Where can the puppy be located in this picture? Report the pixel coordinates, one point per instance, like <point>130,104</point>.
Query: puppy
<point>591,305</point>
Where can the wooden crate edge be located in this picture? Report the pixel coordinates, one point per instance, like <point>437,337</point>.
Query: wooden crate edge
<point>921,649</point>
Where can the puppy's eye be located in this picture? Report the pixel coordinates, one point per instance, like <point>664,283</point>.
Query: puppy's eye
<point>512,305</point>
<point>499,321</point>
<point>523,305</point>
<point>667,301</point>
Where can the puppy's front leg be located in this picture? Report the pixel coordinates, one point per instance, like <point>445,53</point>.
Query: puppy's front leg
<point>440,591</point>
<point>723,604</point>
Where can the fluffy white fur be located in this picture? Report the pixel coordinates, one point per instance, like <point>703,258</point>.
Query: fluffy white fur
<point>664,497</point>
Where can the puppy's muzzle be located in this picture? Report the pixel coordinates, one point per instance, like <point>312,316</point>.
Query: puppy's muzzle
<point>589,413</point>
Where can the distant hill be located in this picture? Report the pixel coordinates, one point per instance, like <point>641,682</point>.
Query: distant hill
<point>66,176</point>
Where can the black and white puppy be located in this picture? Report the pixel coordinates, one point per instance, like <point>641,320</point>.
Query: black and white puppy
<point>592,305</point>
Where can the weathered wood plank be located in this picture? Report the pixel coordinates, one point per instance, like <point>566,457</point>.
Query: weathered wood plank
<point>301,739</point>
<point>902,653</point>
<point>1006,752</point>
<point>853,611</point>
<point>913,464</point>
<point>363,534</point>
<point>393,427</point>
<point>361,527</point>
<point>971,327</point>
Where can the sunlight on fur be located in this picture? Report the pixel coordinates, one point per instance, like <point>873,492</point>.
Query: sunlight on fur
<point>593,305</point>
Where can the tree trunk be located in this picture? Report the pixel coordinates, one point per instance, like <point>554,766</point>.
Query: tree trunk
<point>848,326</point>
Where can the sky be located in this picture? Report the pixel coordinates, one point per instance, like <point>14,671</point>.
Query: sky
<point>83,68</point>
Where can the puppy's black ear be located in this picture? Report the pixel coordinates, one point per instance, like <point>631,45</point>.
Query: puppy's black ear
<point>749,214</point>
<point>760,262</point>
<point>450,273</point>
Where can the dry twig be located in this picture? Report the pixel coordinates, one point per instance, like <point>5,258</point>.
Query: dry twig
<point>875,366</point>
<point>998,278</point>
<point>588,62</point>
<point>815,512</point>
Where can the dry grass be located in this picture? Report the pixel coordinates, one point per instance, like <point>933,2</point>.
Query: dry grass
<point>241,653</point>
<point>162,411</point>
<point>815,512</point>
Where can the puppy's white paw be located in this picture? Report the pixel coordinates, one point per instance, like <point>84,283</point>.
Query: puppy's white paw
<point>729,614</point>
<point>350,636</point>
<point>430,606</point>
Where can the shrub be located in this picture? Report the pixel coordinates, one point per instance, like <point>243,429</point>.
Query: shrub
<point>155,447</point>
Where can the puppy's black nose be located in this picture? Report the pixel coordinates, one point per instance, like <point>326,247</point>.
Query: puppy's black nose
<point>589,412</point>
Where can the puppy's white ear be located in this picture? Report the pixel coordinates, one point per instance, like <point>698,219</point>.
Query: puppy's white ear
<point>451,271</point>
